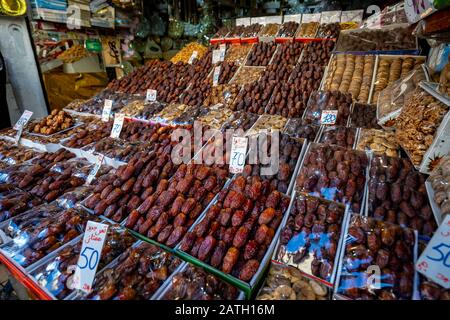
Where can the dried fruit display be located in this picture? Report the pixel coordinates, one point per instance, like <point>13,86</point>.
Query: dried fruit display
<point>55,274</point>
<point>432,291</point>
<point>238,53</point>
<point>254,97</point>
<point>318,53</point>
<point>223,94</point>
<point>11,154</point>
<point>237,230</point>
<point>329,30</point>
<point>378,141</point>
<point>240,120</point>
<point>261,54</point>
<point>55,122</point>
<point>288,29</point>
<point>307,30</point>
<point>136,275</point>
<point>301,128</point>
<point>287,53</point>
<point>35,241</point>
<point>186,52</point>
<point>193,283</point>
<point>397,194</point>
<point>440,182</point>
<point>339,136</point>
<point>269,30</point>
<point>334,173</point>
<point>268,123</point>
<point>247,75</point>
<point>329,100</point>
<point>364,116</point>
<point>14,201</point>
<point>285,283</point>
<point>388,246</point>
<point>167,213</point>
<point>309,240</point>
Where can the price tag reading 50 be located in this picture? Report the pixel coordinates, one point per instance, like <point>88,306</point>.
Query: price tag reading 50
<point>434,261</point>
<point>238,153</point>
<point>90,255</point>
<point>328,117</point>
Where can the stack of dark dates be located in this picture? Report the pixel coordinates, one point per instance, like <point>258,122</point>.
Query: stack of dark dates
<point>261,54</point>
<point>301,128</point>
<point>339,136</point>
<point>329,100</point>
<point>14,201</point>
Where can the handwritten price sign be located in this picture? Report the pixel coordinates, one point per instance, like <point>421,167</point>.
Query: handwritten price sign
<point>434,262</point>
<point>117,125</point>
<point>107,110</point>
<point>328,117</point>
<point>216,75</point>
<point>90,255</point>
<point>193,56</point>
<point>95,169</point>
<point>151,95</point>
<point>20,124</point>
<point>238,153</point>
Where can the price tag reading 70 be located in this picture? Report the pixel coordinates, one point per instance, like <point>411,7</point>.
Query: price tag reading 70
<point>90,255</point>
<point>238,154</point>
<point>117,125</point>
<point>434,261</point>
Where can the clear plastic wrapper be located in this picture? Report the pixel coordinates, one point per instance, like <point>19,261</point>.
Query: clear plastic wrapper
<point>378,141</point>
<point>170,112</point>
<point>440,183</point>
<point>372,245</point>
<point>166,214</point>
<point>286,283</point>
<point>135,107</point>
<point>191,115</point>
<point>223,94</point>
<point>290,151</point>
<point>150,109</point>
<point>117,149</point>
<point>390,38</point>
<point>237,230</point>
<point>247,75</point>
<point>88,135</point>
<point>237,53</point>
<point>71,198</point>
<point>216,117</point>
<point>329,30</point>
<point>34,241</point>
<point>329,100</point>
<point>261,54</point>
<point>307,30</point>
<point>339,136</point>
<point>392,68</point>
<point>334,173</point>
<point>14,201</point>
<point>364,116</point>
<point>393,97</point>
<point>136,275</point>
<point>418,122</point>
<point>397,194</point>
<point>301,128</point>
<point>194,283</point>
<point>11,154</point>
<point>240,120</point>
<point>54,274</point>
<point>351,73</point>
<point>288,29</point>
<point>57,121</point>
<point>268,123</point>
<point>310,239</point>
<point>95,105</point>
<point>444,80</point>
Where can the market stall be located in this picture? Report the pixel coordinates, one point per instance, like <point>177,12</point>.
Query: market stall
<point>355,122</point>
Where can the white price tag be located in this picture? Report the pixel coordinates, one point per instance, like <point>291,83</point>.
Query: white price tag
<point>328,117</point>
<point>216,75</point>
<point>434,262</point>
<point>151,95</point>
<point>238,153</point>
<point>90,254</point>
<point>217,56</point>
<point>117,125</point>
<point>20,124</point>
<point>95,169</point>
<point>223,47</point>
<point>193,56</point>
<point>107,110</point>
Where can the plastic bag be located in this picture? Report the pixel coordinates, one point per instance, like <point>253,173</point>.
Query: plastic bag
<point>301,128</point>
<point>176,29</point>
<point>240,120</point>
<point>440,183</point>
<point>193,283</point>
<point>215,118</point>
<point>309,240</point>
<point>286,283</point>
<point>268,123</point>
<point>170,112</point>
<point>55,273</point>
<point>191,115</point>
<point>418,122</point>
<point>334,173</point>
<point>15,201</point>
<point>329,100</point>
<point>146,262</point>
<point>152,50</point>
<point>115,149</point>
<point>149,110</point>
<point>364,116</point>
<point>378,141</point>
<point>339,136</point>
<point>11,154</point>
<point>71,198</point>
<point>382,249</point>
<point>397,194</point>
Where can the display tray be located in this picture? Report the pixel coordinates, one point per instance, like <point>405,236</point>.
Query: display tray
<point>76,125</point>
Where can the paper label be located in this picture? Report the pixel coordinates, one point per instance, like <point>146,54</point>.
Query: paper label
<point>107,110</point>
<point>238,153</point>
<point>151,95</point>
<point>193,56</point>
<point>216,76</point>
<point>90,255</point>
<point>24,118</point>
<point>217,56</point>
<point>328,117</point>
<point>95,169</point>
<point>117,125</point>
<point>434,262</point>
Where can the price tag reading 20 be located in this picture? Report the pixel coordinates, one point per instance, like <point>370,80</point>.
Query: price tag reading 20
<point>434,262</point>
<point>328,117</point>
<point>238,153</point>
<point>90,255</point>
